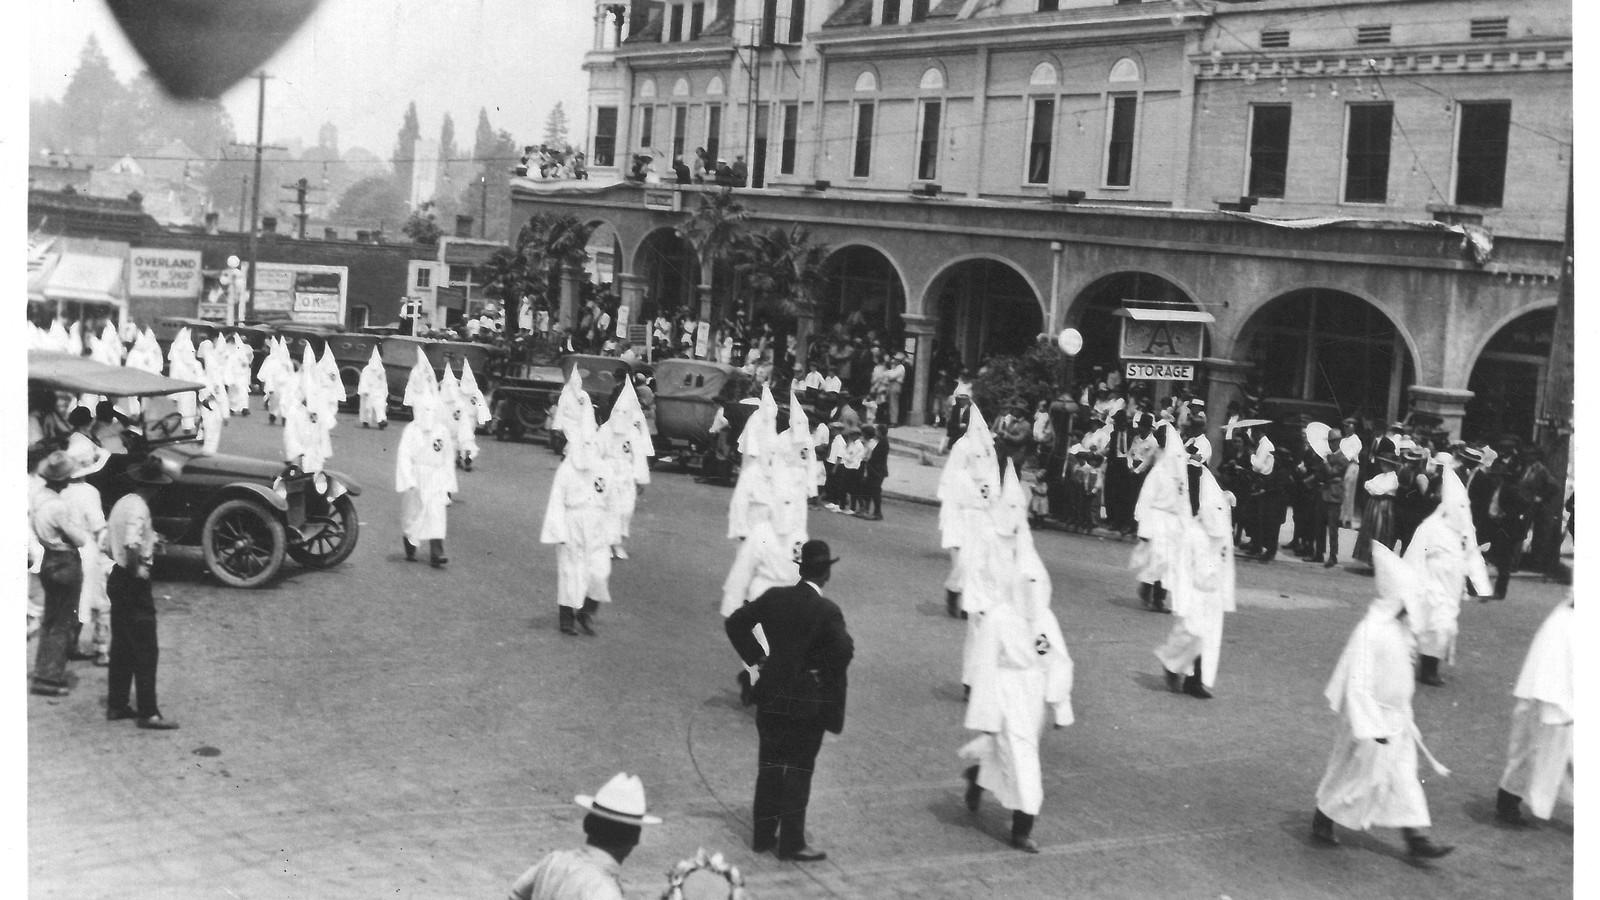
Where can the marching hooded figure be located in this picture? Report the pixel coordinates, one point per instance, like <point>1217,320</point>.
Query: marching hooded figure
<point>373,391</point>
<point>572,400</point>
<point>275,371</point>
<point>625,445</point>
<point>425,476</point>
<point>474,412</point>
<point>806,473</point>
<point>1371,777</point>
<point>968,486</point>
<point>182,365</point>
<point>145,355</point>
<point>754,492</point>
<point>1202,582</point>
<point>237,379</point>
<point>332,383</point>
<point>420,383</point>
<point>452,409</point>
<point>579,519</point>
<point>1020,670</point>
<point>1160,510</point>
<point>1445,550</point>
<point>1539,760</point>
<point>305,438</point>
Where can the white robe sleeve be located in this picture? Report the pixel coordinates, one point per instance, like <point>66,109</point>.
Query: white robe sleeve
<point>555,512</point>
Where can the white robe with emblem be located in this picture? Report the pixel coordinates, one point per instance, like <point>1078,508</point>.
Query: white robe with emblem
<point>1200,584</point>
<point>425,476</point>
<point>373,391</point>
<point>579,519</point>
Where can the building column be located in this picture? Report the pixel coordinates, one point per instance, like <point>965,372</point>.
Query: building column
<point>921,328</point>
<point>569,299</point>
<point>630,292</point>
<point>1449,405</point>
<point>1224,378</point>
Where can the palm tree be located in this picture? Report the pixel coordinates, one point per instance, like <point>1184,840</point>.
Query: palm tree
<point>715,230</point>
<point>783,268</point>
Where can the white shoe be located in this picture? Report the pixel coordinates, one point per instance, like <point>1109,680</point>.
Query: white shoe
<point>619,552</point>
<point>831,507</point>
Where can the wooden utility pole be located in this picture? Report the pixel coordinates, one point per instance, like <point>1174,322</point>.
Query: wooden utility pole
<point>255,192</point>
<point>1556,419</point>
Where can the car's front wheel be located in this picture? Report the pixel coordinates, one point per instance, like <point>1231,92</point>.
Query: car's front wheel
<point>244,543</point>
<point>331,537</point>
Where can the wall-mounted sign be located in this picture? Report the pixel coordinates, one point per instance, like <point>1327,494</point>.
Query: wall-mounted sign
<point>665,199</point>
<point>287,292</point>
<point>164,273</point>
<point>1150,371</point>
<point>1163,335</point>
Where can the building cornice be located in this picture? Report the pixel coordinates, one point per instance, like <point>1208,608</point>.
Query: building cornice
<point>1503,56</point>
<point>1092,23</point>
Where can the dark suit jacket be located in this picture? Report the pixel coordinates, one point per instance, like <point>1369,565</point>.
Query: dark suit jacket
<point>807,635</point>
<point>956,426</point>
<point>878,462</point>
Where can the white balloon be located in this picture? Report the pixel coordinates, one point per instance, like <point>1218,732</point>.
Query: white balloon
<point>1070,341</point>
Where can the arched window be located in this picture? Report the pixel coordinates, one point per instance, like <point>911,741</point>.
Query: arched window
<point>681,88</point>
<point>866,82</point>
<point>1044,75</point>
<point>1125,70</point>
<point>714,86</point>
<point>932,80</point>
<point>647,89</point>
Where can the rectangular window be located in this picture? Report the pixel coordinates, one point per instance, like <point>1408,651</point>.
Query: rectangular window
<point>647,126</point>
<point>1481,153</point>
<point>680,128</point>
<point>769,22</point>
<point>1366,153</point>
<point>1275,40</point>
<point>1049,5</point>
<point>424,278</point>
<point>891,12</point>
<point>919,10</point>
<point>861,166</point>
<point>1269,151</point>
<point>928,141</point>
<point>697,20</point>
<point>675,26</point>
<point>1040,135</point>
<point>605,136</point>
<point>797,21</point>
<point>1119,141</point>
<point>1372,34</point>
<point>713,131</point>
<point>1489,29</point>
<point>791,136</point>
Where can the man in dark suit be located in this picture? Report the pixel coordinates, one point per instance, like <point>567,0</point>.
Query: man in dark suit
<point>956,422</point>
<point>799,694</point>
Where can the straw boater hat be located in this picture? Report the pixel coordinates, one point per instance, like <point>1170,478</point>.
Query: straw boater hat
<point>88,456</point>
<point>621,800</point>
<point>56,467</point>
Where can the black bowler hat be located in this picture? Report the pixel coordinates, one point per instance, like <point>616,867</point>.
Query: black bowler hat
<point>816,553</point>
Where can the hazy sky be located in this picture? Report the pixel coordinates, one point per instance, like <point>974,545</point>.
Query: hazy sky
<point>357,63</point>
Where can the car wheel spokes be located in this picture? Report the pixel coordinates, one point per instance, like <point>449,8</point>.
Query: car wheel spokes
<point>242,548</point>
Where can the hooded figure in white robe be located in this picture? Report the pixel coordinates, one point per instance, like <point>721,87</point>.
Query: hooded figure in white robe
<point>579,519</point>
<point>213,401</point>
<point>1445,550</point>
<point>1201,584</point>
<point>474,414</point>
<point>183,366</point>
<point>452,407</point>
<point>806,472</point>
<point>968,486</point>
<point>305,440</point>
<point>274,371</point>
<point>373,393</point>
<point>625,444</point>
<point>1539,759</point>
<point>332,383</point>
<point>1371,777</point>
<point>570,404</point>
<point>420,383</point>
<point>754,493</point>
<point>1021,678</point>
<point>1161,510</point>
<point>240,355</point>
<point>425,476</point>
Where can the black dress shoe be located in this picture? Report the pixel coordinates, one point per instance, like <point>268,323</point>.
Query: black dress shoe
<point>118,713</point>
<point>974,794</point>
<point>1332,561</point>
<point>766,846</point>
<point>438,562</point>
<point>1322,830</point>
<point>1195,688</point>
<point>1174,682</point>
<point>804,854</point>
<point>1025,844</point>
<point>76,655</point>
<point>156,723</point>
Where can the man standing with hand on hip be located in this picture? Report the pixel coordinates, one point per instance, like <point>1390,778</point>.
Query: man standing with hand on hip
<point>800,694</point>
<point>130,541</point>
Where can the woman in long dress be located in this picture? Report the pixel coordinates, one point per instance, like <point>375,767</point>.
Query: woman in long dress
<point>1377,516</point>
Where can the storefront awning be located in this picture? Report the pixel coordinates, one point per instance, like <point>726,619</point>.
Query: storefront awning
<point>85,272</point>
<point>1142,314</point>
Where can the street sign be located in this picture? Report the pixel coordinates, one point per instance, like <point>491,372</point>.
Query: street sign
<point>1152,371</point>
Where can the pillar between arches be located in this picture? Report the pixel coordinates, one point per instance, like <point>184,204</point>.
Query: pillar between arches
<point>569,299</point>
<point>921,328</point>
<point>630,293</point>
<point>1449,405</point>
<point>1224,378</point>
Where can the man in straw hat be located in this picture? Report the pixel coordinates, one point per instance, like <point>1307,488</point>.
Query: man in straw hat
<point>84,498</point>
<point>1371,777</point>
<point>58,529</point>
<point>616,819</point>
<point>800,694</point>
<point>131,541</point>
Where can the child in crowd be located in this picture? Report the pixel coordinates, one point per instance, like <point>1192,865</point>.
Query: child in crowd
<point>846,456</point>
<point>873,472</point>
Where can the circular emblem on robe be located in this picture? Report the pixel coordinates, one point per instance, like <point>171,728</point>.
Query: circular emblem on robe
<point>455,414</point>
<point>1041,645</point>
<point>599,485</point>
<point>627,447</point>
<point>983,491</point>
<point>438,446</point>
<point>313,418</point>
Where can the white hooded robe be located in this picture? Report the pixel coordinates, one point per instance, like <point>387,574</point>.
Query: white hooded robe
<point>425,474</point>
<point>579,519</point>
<point>373,391</point>
<point>1539,759</point>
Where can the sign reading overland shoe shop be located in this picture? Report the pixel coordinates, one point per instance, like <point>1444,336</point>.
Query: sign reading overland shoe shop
<point>164,274</point>
<point>1162,344</point>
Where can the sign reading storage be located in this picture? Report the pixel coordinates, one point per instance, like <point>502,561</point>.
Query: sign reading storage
<point>158,274</point>
<point>1147,371</point>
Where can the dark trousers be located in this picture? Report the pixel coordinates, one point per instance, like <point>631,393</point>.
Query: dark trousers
<point>1328,530</point>
<point>1307,522</point>
<point>784,765</point>
<point>435,548</point>
<point>134,649</point>
<point>1270,511</point>
<point>61,576</point>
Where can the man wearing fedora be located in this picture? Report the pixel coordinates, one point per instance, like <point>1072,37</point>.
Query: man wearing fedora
<point>593,872</point>
<point>800,694</point>
<point>130,541</point>
<point>58,529</point>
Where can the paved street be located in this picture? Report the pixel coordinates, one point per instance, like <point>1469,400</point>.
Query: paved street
<point>385,729</point>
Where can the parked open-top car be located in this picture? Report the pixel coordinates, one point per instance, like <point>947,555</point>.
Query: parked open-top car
<point>244,514</point>
<point>527,391</point>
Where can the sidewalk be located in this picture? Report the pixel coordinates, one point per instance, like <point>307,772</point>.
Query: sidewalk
<point>914,464</point>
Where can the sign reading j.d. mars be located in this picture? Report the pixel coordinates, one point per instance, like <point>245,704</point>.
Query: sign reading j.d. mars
<point>164,273</point>
<point>1163,335</point>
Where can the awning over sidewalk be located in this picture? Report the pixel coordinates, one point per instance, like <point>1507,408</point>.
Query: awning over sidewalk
<point>84,271</point>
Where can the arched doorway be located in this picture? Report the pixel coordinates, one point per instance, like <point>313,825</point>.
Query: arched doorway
<point>862,294</point>
<point>605,253</point>
<point>986,309</point>
<point>1330,354</point>
<point>670,269</point>
<point>1099,321</point>
<point>1507,381</point>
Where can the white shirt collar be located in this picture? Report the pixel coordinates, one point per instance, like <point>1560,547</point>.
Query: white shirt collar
<point>814,586</point>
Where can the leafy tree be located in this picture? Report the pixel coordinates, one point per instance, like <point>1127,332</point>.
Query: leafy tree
<point>783,269</point>
<point>405,149</point>
<point>376,199</point>
<point>422,228</point>
<point>715,230</point>
<point>487,192</point>
<point>555,128</point>
<point>1037,374</point>
<point>93,101</point>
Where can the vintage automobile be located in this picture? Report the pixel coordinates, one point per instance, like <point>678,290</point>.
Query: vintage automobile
<point>244,514</point>
<point>400,354</point>
<point>351,351</point>
<point>527,393</point>
<point>688,394</point>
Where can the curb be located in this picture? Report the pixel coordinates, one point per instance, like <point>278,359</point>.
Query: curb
<point>910,498</point>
